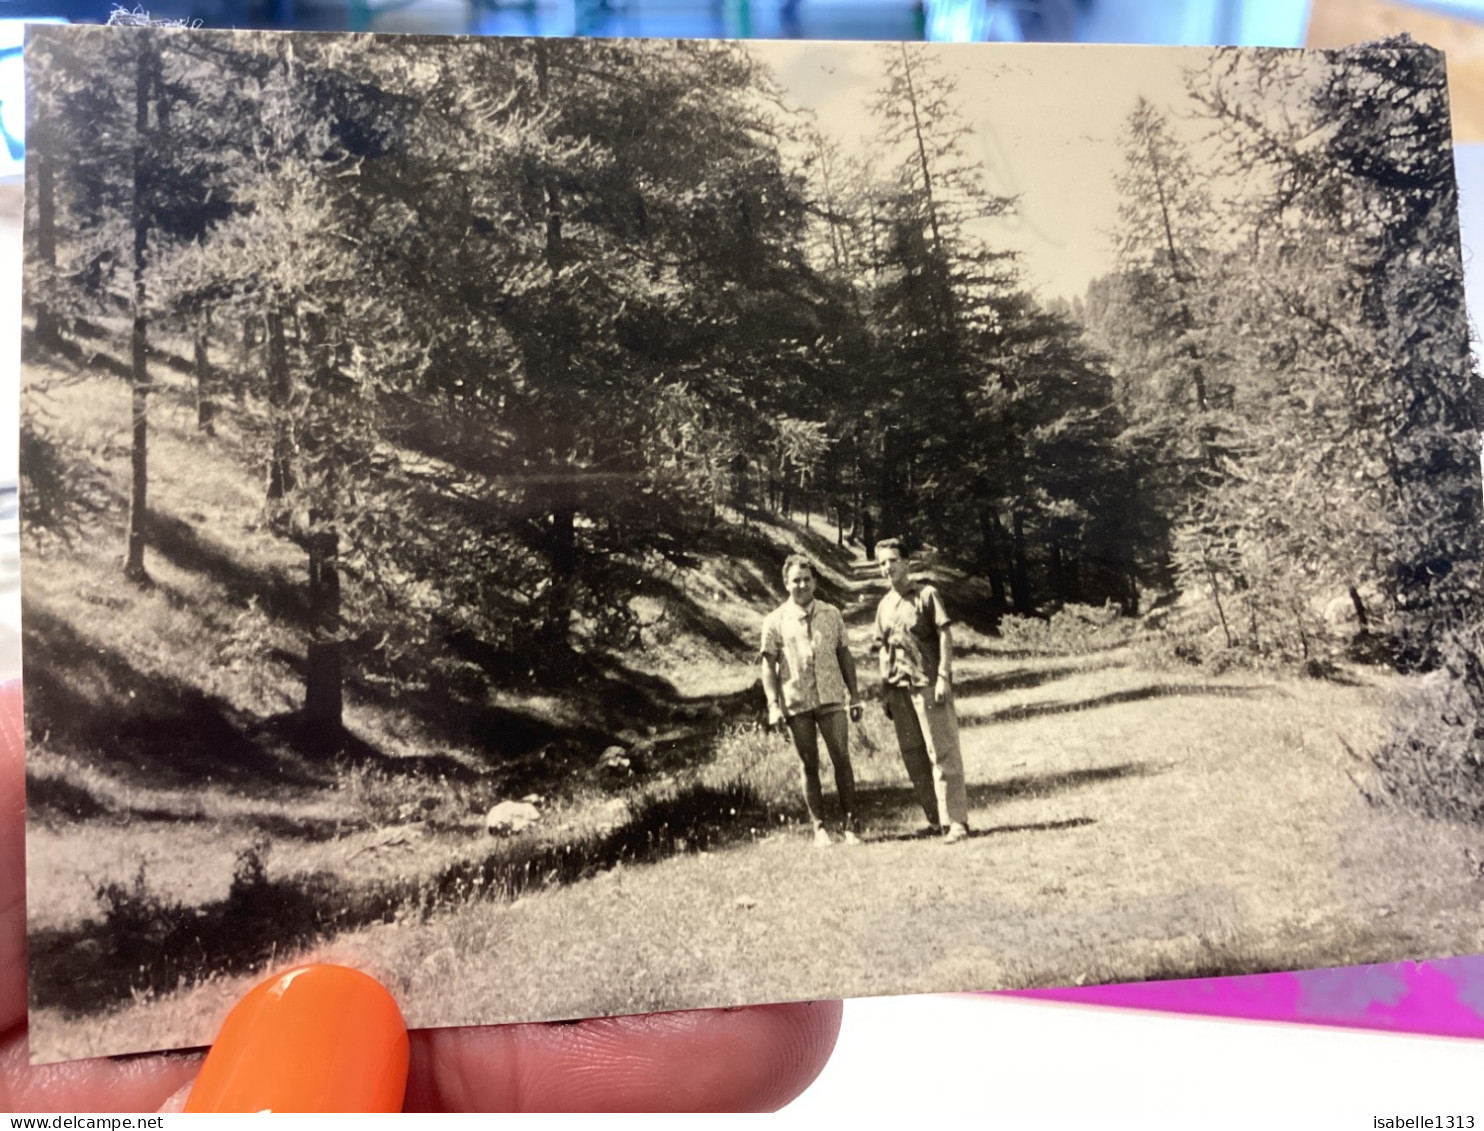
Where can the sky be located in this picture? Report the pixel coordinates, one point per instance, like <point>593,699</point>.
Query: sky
<point>1045,122</point>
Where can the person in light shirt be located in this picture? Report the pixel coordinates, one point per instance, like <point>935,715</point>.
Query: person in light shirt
<point>809,679</point>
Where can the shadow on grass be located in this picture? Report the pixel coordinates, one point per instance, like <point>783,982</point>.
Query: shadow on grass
<point>1008,652</point>
<point>1044,785</point>
<point>92,331</point>
<point>84,357</point>
<point>898,803</point>
<point>52,798</point>
<point>147,944</point>
<point>839,557</point>
<point>1034,827</point>
<point>978,614</point>
<point>90,701</point>
<point>689,617</point>
<point>180,542</point>
<point>997,830</point>
<point>1018,680</point>
<point>1112,699</point>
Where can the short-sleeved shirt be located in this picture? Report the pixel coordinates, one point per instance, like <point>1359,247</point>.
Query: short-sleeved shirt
<point>907,627</point>
<point>804,642</point>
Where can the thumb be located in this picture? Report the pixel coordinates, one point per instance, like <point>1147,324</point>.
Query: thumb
<point>316,1038</point>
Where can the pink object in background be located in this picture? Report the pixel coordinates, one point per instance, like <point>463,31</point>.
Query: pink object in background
<point>1443,998</point>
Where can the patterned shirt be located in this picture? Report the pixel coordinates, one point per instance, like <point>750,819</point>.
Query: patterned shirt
<point>908,628</point>
<point>803,642</point>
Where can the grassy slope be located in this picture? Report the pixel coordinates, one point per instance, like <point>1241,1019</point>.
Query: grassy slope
<point>1130,825</point>
<point>152,713</point>
<point>1214,830</point>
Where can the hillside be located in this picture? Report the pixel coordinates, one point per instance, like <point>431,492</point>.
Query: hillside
<point>172,707</point>
<point>1132,819</point>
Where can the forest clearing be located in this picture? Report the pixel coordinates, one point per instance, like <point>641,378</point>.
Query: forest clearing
<point>1133,819</point>
<point>390,457</point>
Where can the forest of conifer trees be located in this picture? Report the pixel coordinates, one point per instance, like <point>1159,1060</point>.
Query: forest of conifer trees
<point>414,423</point>
<point>488,351</point>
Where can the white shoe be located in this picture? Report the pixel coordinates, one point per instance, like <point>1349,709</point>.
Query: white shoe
<point>850,837</point>
<point>956,833</point>
<point>822,838</point>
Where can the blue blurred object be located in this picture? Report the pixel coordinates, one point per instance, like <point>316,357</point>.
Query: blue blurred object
<point>1267,22</point>
<point>13,95</point>
<point>1273,22</point>
<point>1463,9</point>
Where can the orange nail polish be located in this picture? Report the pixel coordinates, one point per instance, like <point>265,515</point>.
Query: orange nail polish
<point>317,1038</point>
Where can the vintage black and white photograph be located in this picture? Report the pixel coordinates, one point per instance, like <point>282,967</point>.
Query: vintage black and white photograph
<point>582,527</point>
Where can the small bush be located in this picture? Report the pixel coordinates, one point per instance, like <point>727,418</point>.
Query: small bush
<point>1434,764</point>
<point>250,884</point>
<point>61,491</point>
<point>1169,651</point>
<point>134,913</point>
<point>1072,630</point>
<point>1172,649</point>
<point>765,761</point>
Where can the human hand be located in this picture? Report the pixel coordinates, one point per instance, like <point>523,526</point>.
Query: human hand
<point>857,712</point>
<point>941,689</point>
<point>756,1058</point>
<point>775,716</point>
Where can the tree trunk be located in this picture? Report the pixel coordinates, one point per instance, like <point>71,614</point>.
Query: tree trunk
<point>251,336</point>
<point>139,486</point>
<point>562,554</point>
<point>922,157</point>
<point>1131,597</point>
<point>205,406</point>
<point>1362,620</point>
<point>990,541</point>
<point>48,326</point>
<point>887,496</point>
<point>741,498</point>
<point>1216,599</point>
<point>134,568</point>
<point>857,502</point>
<point>280,389</point>
<point>1020,581</point>
<point>323,682</point>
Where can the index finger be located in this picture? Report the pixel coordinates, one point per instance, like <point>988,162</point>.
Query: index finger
<point>12,859</point>
<point>755,1058</point>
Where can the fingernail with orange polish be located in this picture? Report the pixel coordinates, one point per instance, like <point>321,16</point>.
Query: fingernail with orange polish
<point>317,1038</point>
